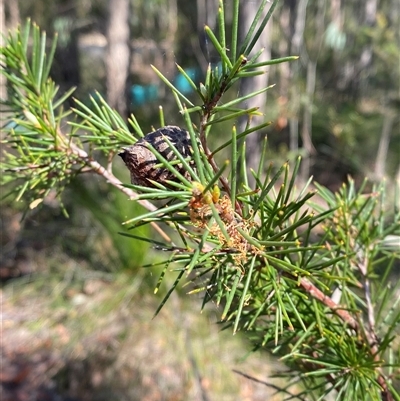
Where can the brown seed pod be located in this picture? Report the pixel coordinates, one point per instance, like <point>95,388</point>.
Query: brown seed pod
<point>143,163</point>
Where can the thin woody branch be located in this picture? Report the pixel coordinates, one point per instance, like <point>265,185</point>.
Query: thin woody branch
<point>352,323</point>
<point>317,294</point>
<point>114,181</point>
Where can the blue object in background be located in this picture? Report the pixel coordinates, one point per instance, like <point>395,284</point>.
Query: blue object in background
<point>142,94</point>
<point>182,84</point>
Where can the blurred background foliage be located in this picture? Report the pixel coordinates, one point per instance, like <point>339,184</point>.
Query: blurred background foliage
<point>68,283</point>
<point>352,94</point>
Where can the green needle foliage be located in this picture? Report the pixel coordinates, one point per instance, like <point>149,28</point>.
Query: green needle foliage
<point>305,273</point>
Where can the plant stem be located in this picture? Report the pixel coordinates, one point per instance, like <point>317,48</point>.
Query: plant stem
<point>97,168</point>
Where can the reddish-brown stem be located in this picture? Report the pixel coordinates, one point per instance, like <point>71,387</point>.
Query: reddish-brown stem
<point>352,323</point>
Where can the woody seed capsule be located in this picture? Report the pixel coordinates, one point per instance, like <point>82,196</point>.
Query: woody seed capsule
<point>143,163</point>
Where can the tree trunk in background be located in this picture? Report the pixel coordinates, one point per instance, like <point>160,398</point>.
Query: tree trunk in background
<point>306,128</point>
<point>11,23</point>
<point>118,55</point>
<point>300,23</point>
<point>297,46</point>
<point>284,70</point>
<point>67,57</point>
<point>364,64</point>
<point>207,11</point>
<point>3,31</point>
<point>171,29</point>
<point>312,57</point>
<point>355,72</point>
<point>336,12</point>
<point>288,113</point>
<point>13,14</point>
<point>381,156</point>
<point>337,20</point>
<point>248,85</point>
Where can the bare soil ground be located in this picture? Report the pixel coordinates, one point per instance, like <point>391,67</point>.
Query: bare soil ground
<point>101,343</point>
